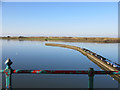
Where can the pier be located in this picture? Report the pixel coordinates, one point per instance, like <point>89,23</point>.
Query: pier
<point>93,58</point>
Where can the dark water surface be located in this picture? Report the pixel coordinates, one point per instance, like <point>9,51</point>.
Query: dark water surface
<point>35,55</point>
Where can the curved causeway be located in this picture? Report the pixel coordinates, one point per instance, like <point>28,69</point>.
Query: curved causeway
<point>94,59</point>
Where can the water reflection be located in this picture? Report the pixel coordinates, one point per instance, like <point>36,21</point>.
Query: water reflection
<point>35,55</point>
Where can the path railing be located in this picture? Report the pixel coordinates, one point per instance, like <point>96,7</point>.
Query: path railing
<point>9,71</point>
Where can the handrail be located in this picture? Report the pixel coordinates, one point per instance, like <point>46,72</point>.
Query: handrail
<point>9,71</point>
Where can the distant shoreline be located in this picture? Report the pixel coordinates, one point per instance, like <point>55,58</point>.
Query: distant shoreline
<point>66,39</point>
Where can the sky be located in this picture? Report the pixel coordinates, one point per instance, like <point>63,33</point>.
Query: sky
<point>60,18</point>
<point>60,0</point>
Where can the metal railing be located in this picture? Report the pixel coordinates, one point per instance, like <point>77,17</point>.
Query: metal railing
<point>9,71</point>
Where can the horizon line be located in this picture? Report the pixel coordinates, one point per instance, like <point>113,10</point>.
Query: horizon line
<point>54,36</point>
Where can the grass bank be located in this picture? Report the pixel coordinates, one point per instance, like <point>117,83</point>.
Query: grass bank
<point>66,39</point>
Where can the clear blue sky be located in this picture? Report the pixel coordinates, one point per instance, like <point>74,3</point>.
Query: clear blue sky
<point>60,18</point>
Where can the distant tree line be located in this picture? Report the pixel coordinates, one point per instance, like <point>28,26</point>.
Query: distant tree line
<point>18,37</point>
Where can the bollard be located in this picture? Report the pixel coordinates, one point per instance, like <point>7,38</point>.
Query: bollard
<point>91,77</point>
<point>8,72</point>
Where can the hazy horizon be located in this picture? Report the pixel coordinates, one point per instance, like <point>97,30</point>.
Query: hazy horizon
<point>55,36</point>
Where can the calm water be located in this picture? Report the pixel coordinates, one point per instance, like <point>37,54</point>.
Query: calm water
<point>35,55</point>
<point>0,63</point>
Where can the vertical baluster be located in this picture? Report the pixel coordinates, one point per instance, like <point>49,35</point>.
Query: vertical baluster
<point>8,73</point>
<point>91,77</point>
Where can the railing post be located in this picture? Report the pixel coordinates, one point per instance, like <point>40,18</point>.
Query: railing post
<point>8,72</point>
<point>91,77</point>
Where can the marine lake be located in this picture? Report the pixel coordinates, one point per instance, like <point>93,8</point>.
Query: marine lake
<point>34,55</point>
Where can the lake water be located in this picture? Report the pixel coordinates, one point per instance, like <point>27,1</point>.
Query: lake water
<point>35,55</point>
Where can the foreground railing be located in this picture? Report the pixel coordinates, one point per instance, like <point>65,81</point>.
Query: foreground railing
<point>9,71</point>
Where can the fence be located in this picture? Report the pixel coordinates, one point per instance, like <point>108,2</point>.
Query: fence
<point>9,71</point>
